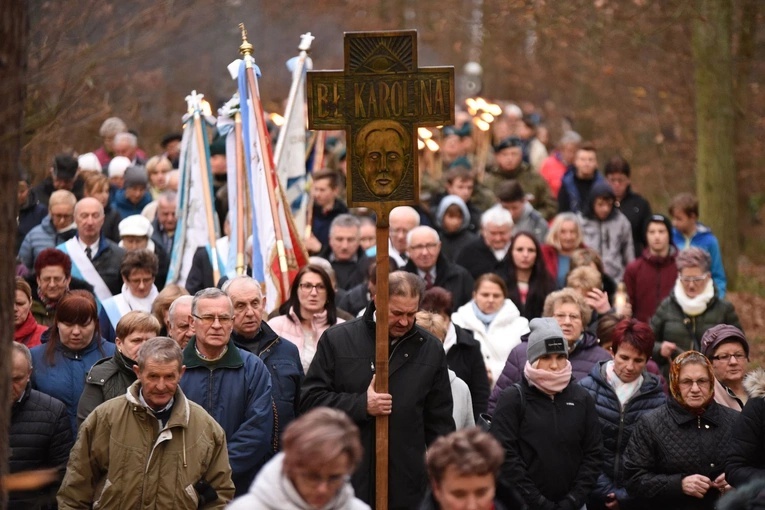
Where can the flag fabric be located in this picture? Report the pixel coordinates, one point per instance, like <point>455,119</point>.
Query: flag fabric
<point>226,129</point>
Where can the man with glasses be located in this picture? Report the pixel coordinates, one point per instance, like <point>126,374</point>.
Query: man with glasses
<point>425,260</point>
<point>727,349</point>
<point>491,252</point>
<point>232,385</point>
<point>57,227</point>
<point>280,356</point>
<point>401,221</point>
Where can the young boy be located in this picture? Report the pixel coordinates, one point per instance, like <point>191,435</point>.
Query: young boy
<point>525,218</point>
<point>608,231</point>
<point>453,221</point>
<point>326,207</point>
<point>688,231</point>
<point>460,181</point>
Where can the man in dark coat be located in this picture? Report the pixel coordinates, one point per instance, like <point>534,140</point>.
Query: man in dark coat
<point>419,404</point>
<point>425,260</point>
<point>633,206</point>
<point>345,252</point>
<point>280,356</point>
<point>574,194</point>
<point>489,253</point>
<point>40,436</point>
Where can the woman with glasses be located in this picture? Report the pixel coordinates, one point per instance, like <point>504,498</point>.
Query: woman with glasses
<point>691,308</point>
<point>321,450</point>
<point>52,279</point>
<point>727,349</point>
<point>569,309</point>
<point>74,345</point>
<point>308,312</point>
<point>676,456</point>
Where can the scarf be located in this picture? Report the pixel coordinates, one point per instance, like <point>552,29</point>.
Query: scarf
<point>49,304</point>
<point>451,337</point>
<point>674,382</point>
<point>485,318</point>
<point>136,303</point>
<point>550,383</point>
<point>624,390</point>
<point>27,328</point>
<point>694,306</point>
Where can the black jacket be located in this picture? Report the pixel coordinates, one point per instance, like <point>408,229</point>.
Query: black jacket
<point>466,360</point>
<point>552,447</point>
<point>637,210</point>
<point>108,378</point>
<point>746,460</point>
<point>107,263</point>
<point>670,443</point>
<point>478,259</point>
<point>30,214</point>
<point>348,273</point>
<point>40,437</point>
<point>201,273</point>
<point>422,401</point>
<point>282,359</point>
<point>617,424</point>
<point>430,503</point>
<point>451,277</point>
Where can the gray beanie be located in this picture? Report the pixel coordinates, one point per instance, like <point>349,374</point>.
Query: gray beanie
<point>135,176</point>
<point>546,337</point>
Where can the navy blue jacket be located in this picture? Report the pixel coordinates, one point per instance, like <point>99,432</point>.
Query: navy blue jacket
<point>236,391</point>
<point>617,424</point>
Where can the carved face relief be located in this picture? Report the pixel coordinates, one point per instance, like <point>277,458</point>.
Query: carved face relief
<point>384,147</point>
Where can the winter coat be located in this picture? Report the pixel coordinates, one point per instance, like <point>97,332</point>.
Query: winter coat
<point>617,424</point>
<point>574,194</point>
<point>637,210</point>
<point>704,238</point>
<point>533,222</point>
<point>125,207</point>
<point>422,411</point>
<point>236,391</point>
<point>478,259</point>
<point>30,214</point>
<point>348,273</point>
<point>671,324</point>
<point>466,359</point>
<point>586,354</point>
<point>111,228</point>
<point>273,490</point>
<point>552,170</point>
<point>552,446</point>
<point>123,460</point>
<point>42,315</point>
<point>107,263</point>
<point>321,221</point>
<point>670,443</point>
<point>532,183</point>
<point>65,378</point>
<point>453,242</point>
<point>40,437</point>
<point>503,334</point>
<point>650,279</point>
<point>107,379</point>
<point>40,237</point>
<point>353,301</point>
<point>288,326</point>
<point>462,412</point>
<point>282,360</point>
<point>746,460</point>
<point>611,238</point>
<point>456,279</point>
<point>29,332</point>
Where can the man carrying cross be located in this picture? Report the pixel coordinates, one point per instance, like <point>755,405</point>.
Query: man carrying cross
<point>419,405</point>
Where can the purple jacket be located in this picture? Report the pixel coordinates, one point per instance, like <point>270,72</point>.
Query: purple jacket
<point>584,357</point>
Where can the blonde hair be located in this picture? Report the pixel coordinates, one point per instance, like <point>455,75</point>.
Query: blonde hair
<point>432,322</point>
<point>584,278</point>
<point>567,295</point>
<point>557,223</point>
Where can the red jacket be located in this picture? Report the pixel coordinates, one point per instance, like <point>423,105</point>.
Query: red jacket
<point>649,279</point>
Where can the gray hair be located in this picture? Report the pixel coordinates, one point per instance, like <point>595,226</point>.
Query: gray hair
<point>210,293</point>
<point>404,211</point>
<point>243,279</point>
<point>111,127</point>
<point>130,138</point>
<point>168,197</point>
<point>570,137</point>
<point>557,223</point>
<point>162,349</point>
<point>498,216</point>
<point>405,284</point>
<point>180,300</point>
<point>345,221</point>
<point>420,230</point>
<point>694,257</point>
<point>24,351</point>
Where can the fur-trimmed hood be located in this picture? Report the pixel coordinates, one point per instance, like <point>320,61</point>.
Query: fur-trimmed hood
<point>755,383</point>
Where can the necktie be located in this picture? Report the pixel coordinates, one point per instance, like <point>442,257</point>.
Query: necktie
<point>89,253</point>
<point>428,281</point>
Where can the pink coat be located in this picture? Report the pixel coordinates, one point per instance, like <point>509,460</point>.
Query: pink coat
<point>288,326</point>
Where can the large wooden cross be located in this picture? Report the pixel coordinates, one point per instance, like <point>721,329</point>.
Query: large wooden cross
<point>379,99</point>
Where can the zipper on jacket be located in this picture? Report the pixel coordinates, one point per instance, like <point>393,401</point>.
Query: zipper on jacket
<point>260,354</point>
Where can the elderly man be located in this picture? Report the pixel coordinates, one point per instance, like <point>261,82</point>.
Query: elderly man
<point>126,145</point>
<point>95,258</point>
<point>345,252</point>
<point>165,221</point>
<point>727,349</point>
<point>56,228</point>
<point>232,385</point>
<point>280,356</point>
<point>425,260</point>
<point>40,436</point>
<point>150,447</point>
<point>108,131</point>
<point>179,320</point>
<point>489,253</point>
<point>401,220</point>
<point>111,377</point>
<point>420,401</point>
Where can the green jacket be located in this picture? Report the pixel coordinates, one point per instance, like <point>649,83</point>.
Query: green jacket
<point>107,379</point>
<point>122,460</point>
<point>532,183</point>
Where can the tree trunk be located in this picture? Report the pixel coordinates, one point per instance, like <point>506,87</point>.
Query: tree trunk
<point>715,162</point>
<point>13,47</point>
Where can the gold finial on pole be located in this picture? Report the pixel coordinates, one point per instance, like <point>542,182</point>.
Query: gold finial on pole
<point>245,48</point>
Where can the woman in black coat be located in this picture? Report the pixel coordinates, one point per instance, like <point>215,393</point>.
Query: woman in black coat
<point>528,282</point>
<point>676,455</point>
<point>747,456</point>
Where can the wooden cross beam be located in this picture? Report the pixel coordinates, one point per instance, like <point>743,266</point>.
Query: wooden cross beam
<point>379,99</point>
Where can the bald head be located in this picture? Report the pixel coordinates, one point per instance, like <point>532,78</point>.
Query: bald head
<point>402,220</point>
<point>89,217</point>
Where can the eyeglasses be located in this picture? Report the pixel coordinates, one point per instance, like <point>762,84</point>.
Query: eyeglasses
<point>420,247</point>
<point>209,320</point>
<point>725,358</point>
<point>62,217</point>
<point>141,281</point>
<point>694,279</point>
<point>53,279</point>
<point>399,231</point>
<point>688,383</point>
<point>570,316</point>
<point>316,479</point>
<point>310,287</point>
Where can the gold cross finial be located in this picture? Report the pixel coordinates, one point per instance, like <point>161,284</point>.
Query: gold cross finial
<point>245,48</point>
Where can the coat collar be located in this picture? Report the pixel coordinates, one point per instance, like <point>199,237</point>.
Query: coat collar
<point>232,358</point>
<point>179,416</point>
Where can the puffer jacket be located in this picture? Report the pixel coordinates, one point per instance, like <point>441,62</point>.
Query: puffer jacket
<point>107,379</point>
<point>40,437</point>
<point>585,355</point>
<point>123,460</point>
<point>617,424</point>
<point>40,237</point>
<point>670,443</point>
<point>746,461</point>
<point>650,279</point>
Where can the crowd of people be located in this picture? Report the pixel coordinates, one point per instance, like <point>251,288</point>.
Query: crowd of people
<point>554,343</point>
